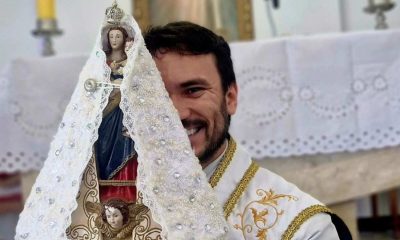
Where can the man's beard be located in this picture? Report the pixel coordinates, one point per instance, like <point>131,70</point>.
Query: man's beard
<point>216,142</point>
<point>217,139</point>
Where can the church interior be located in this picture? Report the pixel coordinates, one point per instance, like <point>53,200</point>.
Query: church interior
<point>317,93</point>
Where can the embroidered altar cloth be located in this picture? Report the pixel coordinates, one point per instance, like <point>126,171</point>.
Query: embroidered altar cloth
<point>33,96</point>
<point>319,94</point>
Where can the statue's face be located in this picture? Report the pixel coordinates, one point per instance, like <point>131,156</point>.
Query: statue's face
<point>114,217</point>
<point>116,39</point>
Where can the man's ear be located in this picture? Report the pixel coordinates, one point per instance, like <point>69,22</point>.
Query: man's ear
<point>231,98</point>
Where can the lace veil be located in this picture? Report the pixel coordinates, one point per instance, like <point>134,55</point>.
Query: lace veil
<point>170,177</point>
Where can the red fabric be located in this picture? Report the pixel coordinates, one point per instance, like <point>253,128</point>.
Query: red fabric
<point>9,181</point>
<point>128,172</point>
<point>16,197</point>
<point>4,176</point>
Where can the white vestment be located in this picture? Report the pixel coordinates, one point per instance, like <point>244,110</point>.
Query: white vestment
<point>259,204</point>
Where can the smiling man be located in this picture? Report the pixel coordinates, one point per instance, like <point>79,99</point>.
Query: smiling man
<point>196,67</point>
<point>194,86</point>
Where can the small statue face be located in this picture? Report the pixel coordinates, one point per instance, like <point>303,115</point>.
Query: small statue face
<point>114,217</point>
<point>116,39</point>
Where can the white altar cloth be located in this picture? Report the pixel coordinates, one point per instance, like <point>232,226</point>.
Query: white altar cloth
<point>319,94</point>
<point>298,95</point>
<point>33,95</point>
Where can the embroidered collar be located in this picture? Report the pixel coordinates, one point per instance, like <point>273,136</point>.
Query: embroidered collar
<point>210,169</point>
<point>224,163</point>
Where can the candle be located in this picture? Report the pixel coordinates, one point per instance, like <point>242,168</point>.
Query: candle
<point>45,9</point>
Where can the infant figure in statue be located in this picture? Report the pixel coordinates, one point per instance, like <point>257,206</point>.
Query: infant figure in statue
<point>116,218</point>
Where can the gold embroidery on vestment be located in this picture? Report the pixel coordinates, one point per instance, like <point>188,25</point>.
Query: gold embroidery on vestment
<point>264,212</point>
<point>240,188</point>
<point>301,218</point>
<point>223,165</point>
<point>244,182</point>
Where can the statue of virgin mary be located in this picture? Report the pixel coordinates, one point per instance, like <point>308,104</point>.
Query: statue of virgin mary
<point>121,139</point>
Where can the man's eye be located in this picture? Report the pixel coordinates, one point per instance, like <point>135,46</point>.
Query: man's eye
<point>193,90</point>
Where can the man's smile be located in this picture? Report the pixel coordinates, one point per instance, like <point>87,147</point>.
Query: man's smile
<point>192,131</point>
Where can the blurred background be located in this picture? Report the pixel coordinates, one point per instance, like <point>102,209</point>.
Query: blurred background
<point>79,21</point>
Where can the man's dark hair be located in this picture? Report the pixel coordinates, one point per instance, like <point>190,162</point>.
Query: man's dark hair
<point>187,38</point>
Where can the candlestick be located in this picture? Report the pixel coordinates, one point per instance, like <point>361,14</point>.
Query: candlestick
<point>46,25</point>
<point>379,7</point>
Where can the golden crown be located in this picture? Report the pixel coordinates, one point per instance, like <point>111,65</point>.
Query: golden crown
<point>114,14</point>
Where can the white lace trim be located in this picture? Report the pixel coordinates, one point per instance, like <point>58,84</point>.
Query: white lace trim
<point>169,176</point>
